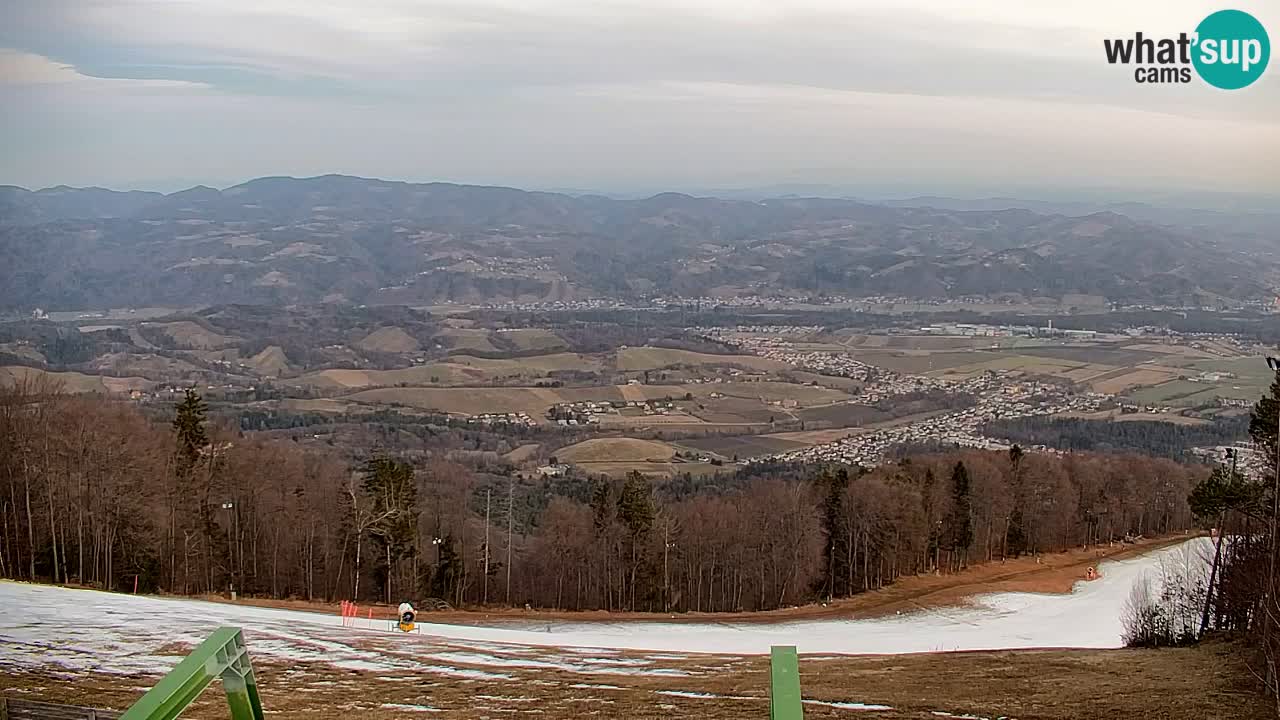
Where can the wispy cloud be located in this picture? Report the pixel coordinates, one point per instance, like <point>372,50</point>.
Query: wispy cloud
<point>730,87</point>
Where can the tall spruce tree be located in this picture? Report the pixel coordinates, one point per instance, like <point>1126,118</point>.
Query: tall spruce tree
<point>192,439</point>
<point>835,529</point>
<point>961,512</point>
<point>636,511</point>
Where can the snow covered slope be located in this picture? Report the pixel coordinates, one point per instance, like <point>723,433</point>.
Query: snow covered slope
<point>82,630</point>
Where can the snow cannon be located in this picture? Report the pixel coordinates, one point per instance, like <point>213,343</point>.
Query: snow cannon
<point>407,617</point>
<point>1091,574</point>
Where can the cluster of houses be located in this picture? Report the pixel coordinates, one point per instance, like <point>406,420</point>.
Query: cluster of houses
<point>503,419</point>
<point>589,412</point>
<point>962,427</point>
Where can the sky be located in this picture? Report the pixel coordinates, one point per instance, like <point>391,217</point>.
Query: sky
<point>909,96</point>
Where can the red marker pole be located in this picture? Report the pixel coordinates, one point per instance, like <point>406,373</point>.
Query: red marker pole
<point>135,584</point>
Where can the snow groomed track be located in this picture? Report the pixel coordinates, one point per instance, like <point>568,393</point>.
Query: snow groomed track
<point>87,631</point>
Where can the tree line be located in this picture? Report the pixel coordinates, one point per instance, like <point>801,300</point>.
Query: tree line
<point>96,493</point>
<point>1150,437</point>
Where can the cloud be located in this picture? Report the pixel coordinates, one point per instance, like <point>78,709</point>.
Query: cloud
<point>26,69</point>
<point>564,91</point>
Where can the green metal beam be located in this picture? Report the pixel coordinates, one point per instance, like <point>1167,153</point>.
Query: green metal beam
<point>784,684</point>
<point>222,654</point>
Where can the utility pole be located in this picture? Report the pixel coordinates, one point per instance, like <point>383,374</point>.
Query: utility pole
<point>488,497</point>
<point>1269,595</point>
<point>511,490</point>
<point>231,553</point>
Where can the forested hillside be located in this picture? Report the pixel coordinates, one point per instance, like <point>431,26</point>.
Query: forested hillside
<point>346,239</point>
<point>94,492</point>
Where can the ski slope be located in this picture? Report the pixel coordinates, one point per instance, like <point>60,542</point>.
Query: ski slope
<point>89,631</point>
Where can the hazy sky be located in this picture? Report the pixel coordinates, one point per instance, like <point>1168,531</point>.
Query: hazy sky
<point>925,95</point>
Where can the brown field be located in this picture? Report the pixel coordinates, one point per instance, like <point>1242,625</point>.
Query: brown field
<point>25,352</point>
<point>649,358</point>
<point>523,453</point>
<point>389,340</point>
<point>920,362</point>
<point>533,339</point>
<point>633,393</point>
<point>743,446</point>
<point>817,437</point>
<point>159,367</point>
<point>638,422</point>
<point>529,366</point>
<point>271,361</point>
<point>466,339</point>
<point>188,334</point>
<point>474,401</point>
<point>458,370</point>
<point>317,405</point>
<point>759,392</point>
<point>1015,363</point>
<point>73,382</point>
<point>1127,381</point>
<point>737,411</point>
<point>1182,350</point>
<point>616,450</point>
<point>828,381</point>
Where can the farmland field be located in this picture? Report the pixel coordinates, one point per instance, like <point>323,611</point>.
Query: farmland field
<point>1097,354</point>
<point>744,446</point>
<point>466,339</point>
<point>1137,378</point>
<point>475,401</point>
<point>71,381</point>
<point>188,334</point>
<point>615,450</point>
<point>920,362</point>
<point>635,359</point>
<point>457,370</point>
<point>388,340</point>
<point>532,339</point>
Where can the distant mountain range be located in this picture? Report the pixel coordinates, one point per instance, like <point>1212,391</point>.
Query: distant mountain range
<point>346,239</point>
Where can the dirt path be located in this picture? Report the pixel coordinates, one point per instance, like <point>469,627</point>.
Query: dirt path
<point>1050,573</point>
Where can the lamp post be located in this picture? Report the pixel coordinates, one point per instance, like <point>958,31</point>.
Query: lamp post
<point>231,555</point>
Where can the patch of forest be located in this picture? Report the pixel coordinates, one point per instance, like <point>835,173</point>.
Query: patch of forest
<point>1151,437</point>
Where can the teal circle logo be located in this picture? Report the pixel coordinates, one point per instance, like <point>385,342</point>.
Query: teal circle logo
<point>1232,49</point>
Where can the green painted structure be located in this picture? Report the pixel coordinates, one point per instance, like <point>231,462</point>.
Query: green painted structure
<point>221,655</point>
<point>784,684</point>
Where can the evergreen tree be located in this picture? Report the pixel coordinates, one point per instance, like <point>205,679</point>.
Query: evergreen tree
<point>1015,540</point>
<point>188,425</point>
<point>1224,492</point>
<point>835,521</point>
<point>1262,422</point>
<point>961,511</point>
<point>444,584</point>
<point>636,511</point>
<point>390,484</point>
